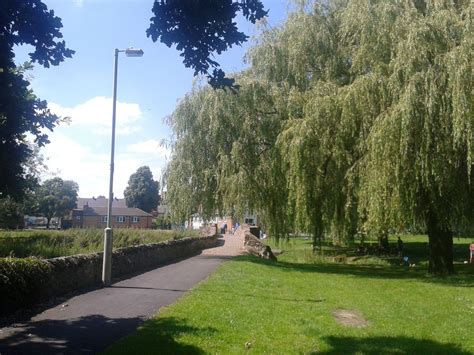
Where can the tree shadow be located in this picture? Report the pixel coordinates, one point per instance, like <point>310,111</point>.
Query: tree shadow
<point>463,278</point>
<point>160,335</point>
<point>90,334</point>
<point>85,334</point>
<point>388,345</point>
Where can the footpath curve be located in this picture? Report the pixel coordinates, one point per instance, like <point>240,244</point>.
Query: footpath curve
<point>89,322</point>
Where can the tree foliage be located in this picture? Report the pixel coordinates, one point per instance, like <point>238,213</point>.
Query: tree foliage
<point>200,28</point>
<point>142,191</point>
<point>21,112</point>
<point>354,117</point>
<point>56,198</point>
<point>11,214</point>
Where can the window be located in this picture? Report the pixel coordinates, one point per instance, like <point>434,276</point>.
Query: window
<point>249,221</point>
<point>104,219</point>
<point>135,219</point>
<point>78,218</point>
<point>120,219</point>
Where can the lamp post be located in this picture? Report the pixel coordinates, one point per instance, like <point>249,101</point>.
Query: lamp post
<point>108,232</point>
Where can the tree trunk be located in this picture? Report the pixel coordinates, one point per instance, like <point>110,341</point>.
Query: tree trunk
<point>383,240</point>
<point>441,246</point>
<point>48,219</point>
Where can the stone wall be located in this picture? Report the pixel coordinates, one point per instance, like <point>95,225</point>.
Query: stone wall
<point>70,273</point>
<point>84,270</point>
<point>252,244</point>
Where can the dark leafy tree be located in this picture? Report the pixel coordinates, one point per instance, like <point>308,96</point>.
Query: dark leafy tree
<point>56,198</point>
<point>24,22</point>
<point>142,191</point>
<point>200,28</point>
<point>11,214</point>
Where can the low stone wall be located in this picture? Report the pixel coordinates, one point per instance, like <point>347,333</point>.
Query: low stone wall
<point>252,243</point>
<point>70,273</point>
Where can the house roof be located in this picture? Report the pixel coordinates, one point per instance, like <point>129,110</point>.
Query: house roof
<point>99,202</point>
<point>116,211</point>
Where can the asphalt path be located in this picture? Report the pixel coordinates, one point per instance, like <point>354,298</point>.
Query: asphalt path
<point>89,322</point>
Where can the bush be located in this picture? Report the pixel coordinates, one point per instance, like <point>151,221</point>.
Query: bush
<point>20,280</point>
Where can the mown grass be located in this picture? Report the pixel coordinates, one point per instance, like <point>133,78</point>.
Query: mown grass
<point>53,243</point>
<point>286,307</point>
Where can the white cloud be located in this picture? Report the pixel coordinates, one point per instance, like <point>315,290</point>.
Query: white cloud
<point>74,155</point>
<point>71,159</point>
<point>151,147</point>
<point>79,3</point>
<point>96,114</point>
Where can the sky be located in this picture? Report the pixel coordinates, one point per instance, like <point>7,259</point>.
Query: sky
<point>149,89</point>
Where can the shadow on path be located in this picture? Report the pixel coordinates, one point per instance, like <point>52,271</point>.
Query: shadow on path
<point>70,335</point>
<point>389,345</point>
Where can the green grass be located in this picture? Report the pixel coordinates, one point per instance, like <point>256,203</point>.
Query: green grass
<point>53,243</point>
<point>416,249</point>
<point>287,308</point>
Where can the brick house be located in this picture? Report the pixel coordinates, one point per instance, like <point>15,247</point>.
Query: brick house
<point>93,214</point>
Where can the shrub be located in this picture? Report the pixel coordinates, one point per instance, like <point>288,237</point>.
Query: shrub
<point>20,280</point>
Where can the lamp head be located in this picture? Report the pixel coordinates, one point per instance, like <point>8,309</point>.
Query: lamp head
<point>133,52</point>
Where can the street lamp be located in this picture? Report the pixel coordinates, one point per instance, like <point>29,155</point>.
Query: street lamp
<point>108,233</point>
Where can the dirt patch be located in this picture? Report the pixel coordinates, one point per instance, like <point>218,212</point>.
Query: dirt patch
<point>350,318</point>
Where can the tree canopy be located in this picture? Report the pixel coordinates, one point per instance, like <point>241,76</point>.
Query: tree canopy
<point>353,117</point>
<point>21,112</point>
<point>142,191</point>
<point>56,198</point>
<point>200,28</point>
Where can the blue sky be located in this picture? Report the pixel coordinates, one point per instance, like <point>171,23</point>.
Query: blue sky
<point>148,90</point>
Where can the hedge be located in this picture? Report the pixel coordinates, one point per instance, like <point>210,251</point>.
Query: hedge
<point>21,281</point>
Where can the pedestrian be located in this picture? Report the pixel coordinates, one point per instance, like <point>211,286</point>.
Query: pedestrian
<point>400,246</point>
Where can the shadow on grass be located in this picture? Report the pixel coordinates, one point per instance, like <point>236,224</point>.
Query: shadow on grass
<point>160,335</point>
<point>463,278</point>
<point>389,345</point>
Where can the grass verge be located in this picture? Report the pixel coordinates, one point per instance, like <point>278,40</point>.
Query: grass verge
<point>287,307</point>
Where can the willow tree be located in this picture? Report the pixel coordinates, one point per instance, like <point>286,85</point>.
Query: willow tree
<point>418,164</point>
<point>353,116</point>
<point>318,142</point>
<point>381,134</point>
<point>224,154</point>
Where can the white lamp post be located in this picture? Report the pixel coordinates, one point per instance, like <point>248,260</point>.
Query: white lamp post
<point>108,233</point>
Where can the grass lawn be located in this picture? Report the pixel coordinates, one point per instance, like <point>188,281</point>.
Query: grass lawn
<point>53,243</point>
<point>255,306</point>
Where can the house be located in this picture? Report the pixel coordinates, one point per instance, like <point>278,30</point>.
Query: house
<point>92,213</point>
<point>196,221</point>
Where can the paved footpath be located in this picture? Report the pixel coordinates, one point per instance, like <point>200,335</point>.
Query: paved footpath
<point>90,322</point>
